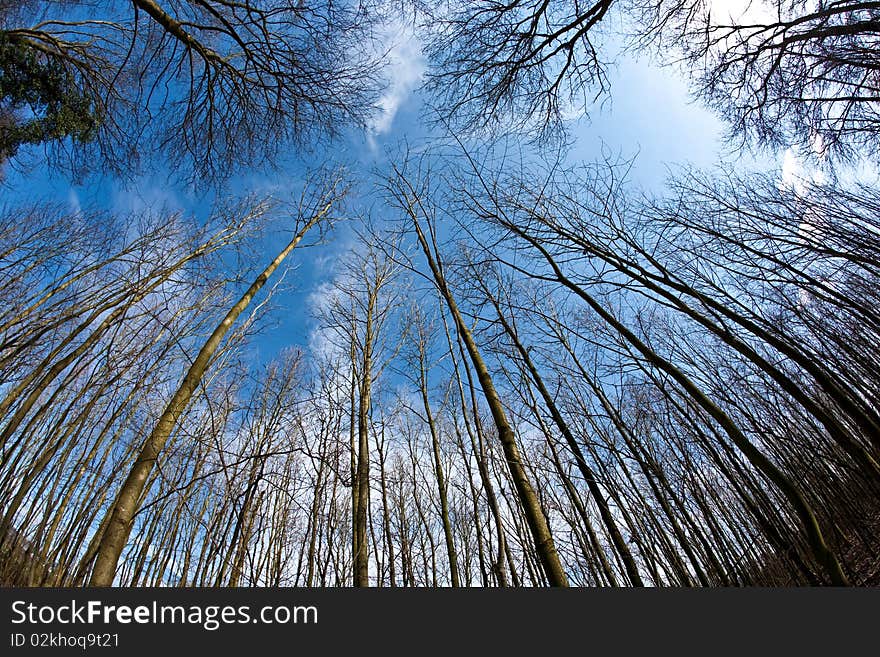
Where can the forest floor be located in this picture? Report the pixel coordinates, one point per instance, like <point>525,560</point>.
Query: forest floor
<point>861,561</point>
<point>864,563</point>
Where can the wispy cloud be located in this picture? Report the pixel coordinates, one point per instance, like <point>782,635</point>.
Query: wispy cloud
<point>73,201</point>
<point>405,68</point>
<point>151,195</point>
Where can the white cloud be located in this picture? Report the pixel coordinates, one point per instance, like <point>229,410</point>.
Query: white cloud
<point>792,174</point>
<point>406,66</point>
<point>797,170</point>
<point>73,201</point>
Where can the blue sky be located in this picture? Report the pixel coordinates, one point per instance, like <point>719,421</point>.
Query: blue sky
<point>648,114</point>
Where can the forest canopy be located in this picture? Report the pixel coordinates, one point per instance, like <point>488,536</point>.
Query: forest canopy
<point>501,364</point>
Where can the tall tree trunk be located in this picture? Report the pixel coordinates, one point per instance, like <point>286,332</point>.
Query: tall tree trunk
<point>438,463</point>
<point>589,476</point>
<point>823,554</point>
<point>535,517</point>
<point>124,509</point>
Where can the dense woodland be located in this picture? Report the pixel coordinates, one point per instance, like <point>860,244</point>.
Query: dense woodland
<point>523,371</point>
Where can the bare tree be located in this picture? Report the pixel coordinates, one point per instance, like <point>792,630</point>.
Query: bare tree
<point>312,212</point>
<point>210,84</point>
<point>410,201</point>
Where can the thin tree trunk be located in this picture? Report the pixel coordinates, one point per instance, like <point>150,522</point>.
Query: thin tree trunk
<point>535,517</point>
<point>125,506</point>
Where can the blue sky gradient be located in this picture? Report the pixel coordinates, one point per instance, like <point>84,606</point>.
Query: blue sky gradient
<point>647,116</point>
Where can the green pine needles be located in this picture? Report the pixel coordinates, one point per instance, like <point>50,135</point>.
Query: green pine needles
<point>40,100</point>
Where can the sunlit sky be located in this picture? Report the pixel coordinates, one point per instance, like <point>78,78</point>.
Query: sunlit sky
<point>647,116</point>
